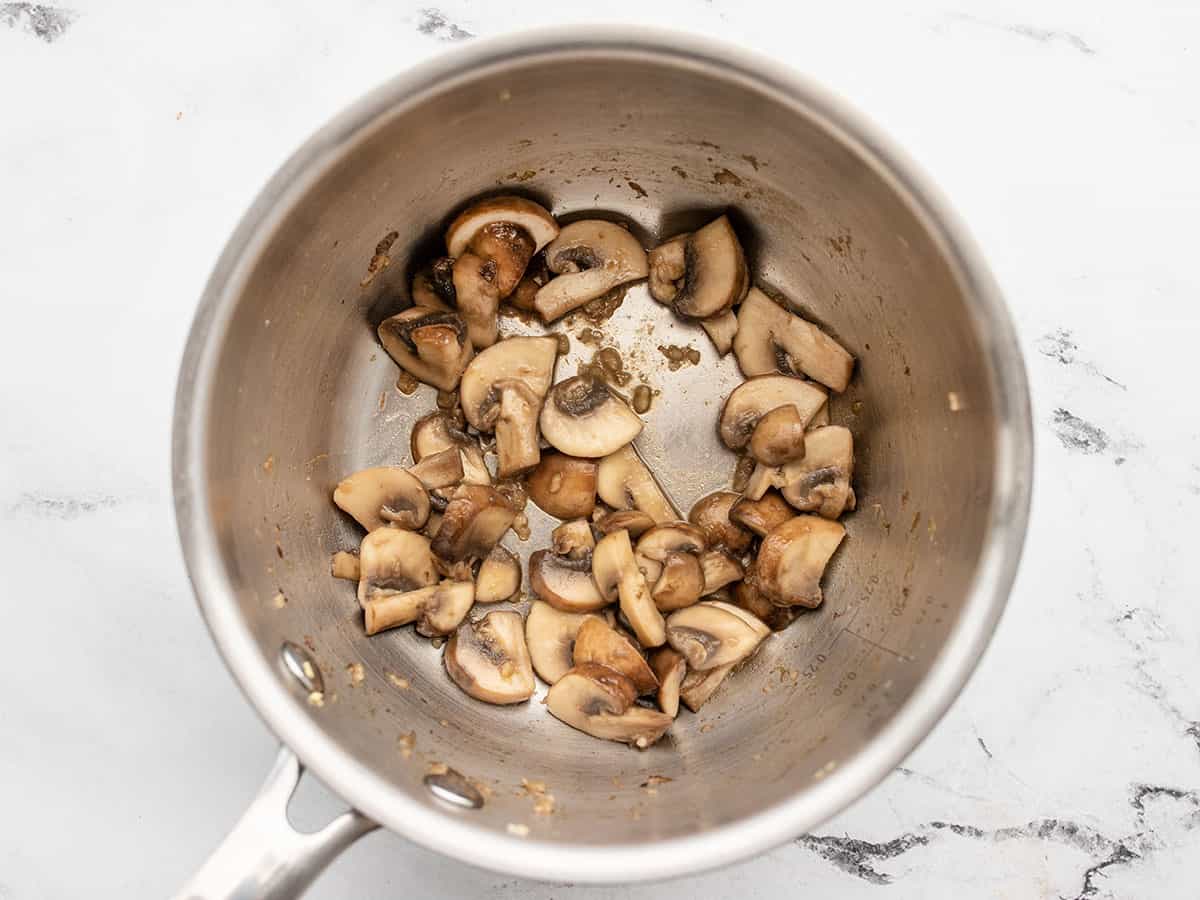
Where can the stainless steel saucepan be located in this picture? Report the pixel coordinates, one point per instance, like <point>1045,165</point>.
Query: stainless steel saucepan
<point>284,389</point>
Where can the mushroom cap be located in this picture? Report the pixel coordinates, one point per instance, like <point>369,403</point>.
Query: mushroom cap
<point>792,559</point>
<point>573,539</point>
<point>476,286</point>
<point>550,635</point>
<point>615,570</point>
<point>437,432</point>
<point>712,634</point>
<point>755,397</point>
<point>634,521</point>
<point>680,583</point>
<point>433,285</point>
<point>598,701</point>
<point>431,345</point>
<point>698,687</point>
<point>711,516</point>
<point>761,515</point>
<point>582,417</point>
<point>667,267</point>
<point>779,436</point>
<point>473,522</point>
<point>499,576</point>
<point>669,667</point>
<point>489,660</point>
<point>565,583</point>
<point>439,470</point>
<point>510,247</point>
<point>529,360</point>
<point>598,642</point>
<point>721,330</point>
<point>393,561</point>
<point>655,545</point>
<point>820,482</point>
<point>715,275</point>
<point>532,217</point>
<point>623,481</point>
<point>719,570</point>
<point>437,609</point>
<point>563,486</point>
<point>590,258</point>
<point>768,334</point>
<point>382,495</point>
<point>746,596</point>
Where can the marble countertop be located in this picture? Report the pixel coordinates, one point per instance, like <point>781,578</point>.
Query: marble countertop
<point>132,137</point>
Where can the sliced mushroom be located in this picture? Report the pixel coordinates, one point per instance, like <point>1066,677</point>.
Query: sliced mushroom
<point>550,635</point>
<point>499,576</point>
<point>439,470</point>
<point>510,247</point>
<point>772,339</point>
<point>792,560</point>
<point>761,480</point>
<point>430,345</point>
<point>617,575</point>
<point>536,275</point>
<point>385,494</point>
<point>565,583</point>
<point>680,584</point>
<point>820,482</point>
<point>698,687</point>
<point>721,329</point>
<point>667,268</point>
<point>392,561</point>
<point>573,539</point>
<point>344,565</point>
<point>714,271</point>
<point>711,516</point>
<point>563,486</point>
<point>598,701</point>
<point>720,569</point>
<point>437,432</point>
<point>502,391</point>
<point>659,542</point>
<point>820,420</point>
<point>489,660</point>
<point>478,297</point>
<point>598,642</point>
<point>624,482</point>
<point>525,214</point>
<point>669,668</point>
<point>590,258</point>
<point>712,634</point>
<point>474,521</point>
<point>433,285</point>
<point>746,596</point>
<point>582,417</point>
<point>761,515</point>
<point>634,521</point>
<point>755,397</point>
<point>437,609</point>
<point>779,436</point>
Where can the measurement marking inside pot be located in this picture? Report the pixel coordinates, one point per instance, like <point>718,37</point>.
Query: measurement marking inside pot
<point>867,640</point>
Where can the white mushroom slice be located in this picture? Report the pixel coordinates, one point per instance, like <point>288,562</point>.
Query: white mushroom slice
<point>582,417</point>
<point>598,701</point>
<point>624,482</point>
<point>573,539</point>
<point>761,515</point>
<point>433,285</point>
<point>714,274</point>
<point>820,482</point>
<point>383,495</point>
<point>761,480</point>
<point>721,329</point>
<point>510,247</point>
<point>698,687</point>
<point>436,432</point>
<point>598,642</point>
<point>517,448</point>
<point>565,583</point>
<point>792,560</point>
<point>779,436</point>
<point>655,545</point>
<point>634,521</point>
<point>478,297</point>
<point>563,486</point>
<point>669,668</point>
<point>392,561</point>
<point>489,660</point>
<point>712,634</point>
<point>550,635</point>
<point>474,521</point>
<point>439,470</point>
<point>344,565</point>
<point>590,258</point>
<point>772,339</point>
<point>437,609</point>
<point>755,397</point>
<point>499,576</point>
<point>430,345</point>
<point>680,582</point>
<point>616,573</point>
<point>711,516</point>
<point>719,569</point>
<point>526,214</point>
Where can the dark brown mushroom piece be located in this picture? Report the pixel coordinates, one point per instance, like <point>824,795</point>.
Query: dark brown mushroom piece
<point>669,668</point>
<point>820,482</point>
<point>433,285</point>
<point>711,516</point>
<point>760,516</point>
<point>430,345</point>
<point>617,576</point>
<point>563,486</point>
<point>792,559</point>
<point>598,642</point>
<point>778,437</point>
<point>474,520</point>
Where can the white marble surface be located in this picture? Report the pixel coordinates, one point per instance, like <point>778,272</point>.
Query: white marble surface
<point>132,136</point>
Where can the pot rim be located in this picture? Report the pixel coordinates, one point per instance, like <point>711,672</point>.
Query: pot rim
<point>791,816</point>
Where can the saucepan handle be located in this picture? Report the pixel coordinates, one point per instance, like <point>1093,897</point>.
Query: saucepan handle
<point>264,857</point>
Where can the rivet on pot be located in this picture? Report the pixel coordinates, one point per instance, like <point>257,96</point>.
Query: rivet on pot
<point>301,666</point>
<point>454,788</point>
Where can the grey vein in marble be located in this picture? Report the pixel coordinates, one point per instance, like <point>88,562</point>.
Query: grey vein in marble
<point>1034,33</point>
<point>46,506</point>
<point>1077,434</point>
<point>433,22</point>
<point>46,22</point>
<point>1060,346</point>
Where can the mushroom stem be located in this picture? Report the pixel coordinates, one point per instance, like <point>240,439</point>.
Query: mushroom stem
<point>517,448</point>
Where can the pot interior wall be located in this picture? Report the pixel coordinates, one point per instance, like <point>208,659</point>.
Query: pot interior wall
<point>305,395</point>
